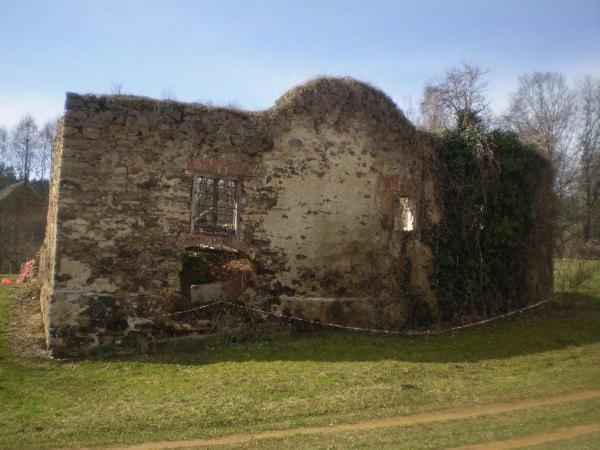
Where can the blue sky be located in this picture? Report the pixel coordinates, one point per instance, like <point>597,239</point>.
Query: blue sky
<point>250,52</point>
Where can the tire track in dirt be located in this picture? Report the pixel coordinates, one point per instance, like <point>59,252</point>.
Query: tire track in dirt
<point>537,439</point>
<point>368,425</point>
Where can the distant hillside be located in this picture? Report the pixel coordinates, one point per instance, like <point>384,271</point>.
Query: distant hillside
<point>22,223</point>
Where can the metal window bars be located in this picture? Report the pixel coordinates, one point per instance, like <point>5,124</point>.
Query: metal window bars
<point>214,205</point>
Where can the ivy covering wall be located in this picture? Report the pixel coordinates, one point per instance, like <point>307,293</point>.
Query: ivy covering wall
<point>488,189</point>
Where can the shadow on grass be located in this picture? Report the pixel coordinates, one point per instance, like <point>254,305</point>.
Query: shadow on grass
<point>574,320</point>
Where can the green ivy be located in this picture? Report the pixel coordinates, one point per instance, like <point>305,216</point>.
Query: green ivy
<point>481,244</point>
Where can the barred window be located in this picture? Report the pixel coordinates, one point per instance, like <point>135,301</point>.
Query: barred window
<point>215,205</point>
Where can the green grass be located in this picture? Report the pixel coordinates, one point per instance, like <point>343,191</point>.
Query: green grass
<point>581,275</point>
<point>213,388</point>
<point>455,433</point>
<point>589,442</point>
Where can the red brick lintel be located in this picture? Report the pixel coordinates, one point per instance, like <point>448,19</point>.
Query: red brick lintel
<point>218,167</point>
<point>393,183</point>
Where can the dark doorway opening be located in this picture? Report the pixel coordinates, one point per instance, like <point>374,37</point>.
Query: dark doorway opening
<point>225,268</point>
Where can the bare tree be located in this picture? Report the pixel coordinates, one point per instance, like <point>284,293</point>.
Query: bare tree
<point>411,112</point>
<point>433,114</point>
<point>116,88</point>
<point>24,147</point>
<point>543,113</point>
<point>588,151</point>
<point>462,89</point>
<point>3,144</point>
<point>46,149</point>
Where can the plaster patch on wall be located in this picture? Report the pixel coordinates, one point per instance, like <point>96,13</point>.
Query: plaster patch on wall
<point>75,272</point>
<point>103,285</point>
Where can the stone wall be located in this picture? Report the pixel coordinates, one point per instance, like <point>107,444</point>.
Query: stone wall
<point>337,196</point>
<point>322,172</point>
<point>48,253</point>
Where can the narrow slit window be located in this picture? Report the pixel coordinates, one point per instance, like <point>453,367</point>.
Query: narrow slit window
<point>215,205</point>
<point>405,214</point>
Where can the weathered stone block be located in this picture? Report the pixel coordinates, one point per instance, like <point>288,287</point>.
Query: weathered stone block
<point>207,293</point>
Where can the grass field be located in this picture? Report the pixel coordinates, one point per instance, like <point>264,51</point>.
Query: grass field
<point>213,388</point>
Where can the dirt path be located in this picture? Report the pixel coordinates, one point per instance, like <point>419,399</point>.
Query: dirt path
<point>544,438</point>
<point>367,425</point>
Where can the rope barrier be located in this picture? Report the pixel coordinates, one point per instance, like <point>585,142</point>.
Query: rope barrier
<point>192,309</point>
<point>369,330</point>
<point>481,322</point>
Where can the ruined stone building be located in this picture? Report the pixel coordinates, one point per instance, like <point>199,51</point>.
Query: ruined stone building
<point>329,195</point>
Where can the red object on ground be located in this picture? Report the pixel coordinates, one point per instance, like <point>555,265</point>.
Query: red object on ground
<point>26,269</point>
<point>7,281</point>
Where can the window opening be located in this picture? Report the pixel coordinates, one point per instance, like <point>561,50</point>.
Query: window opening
<point>215,205</point>
<point>405,214</point>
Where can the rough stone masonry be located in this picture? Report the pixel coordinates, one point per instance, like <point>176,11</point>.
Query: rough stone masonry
<point>329,194</point>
